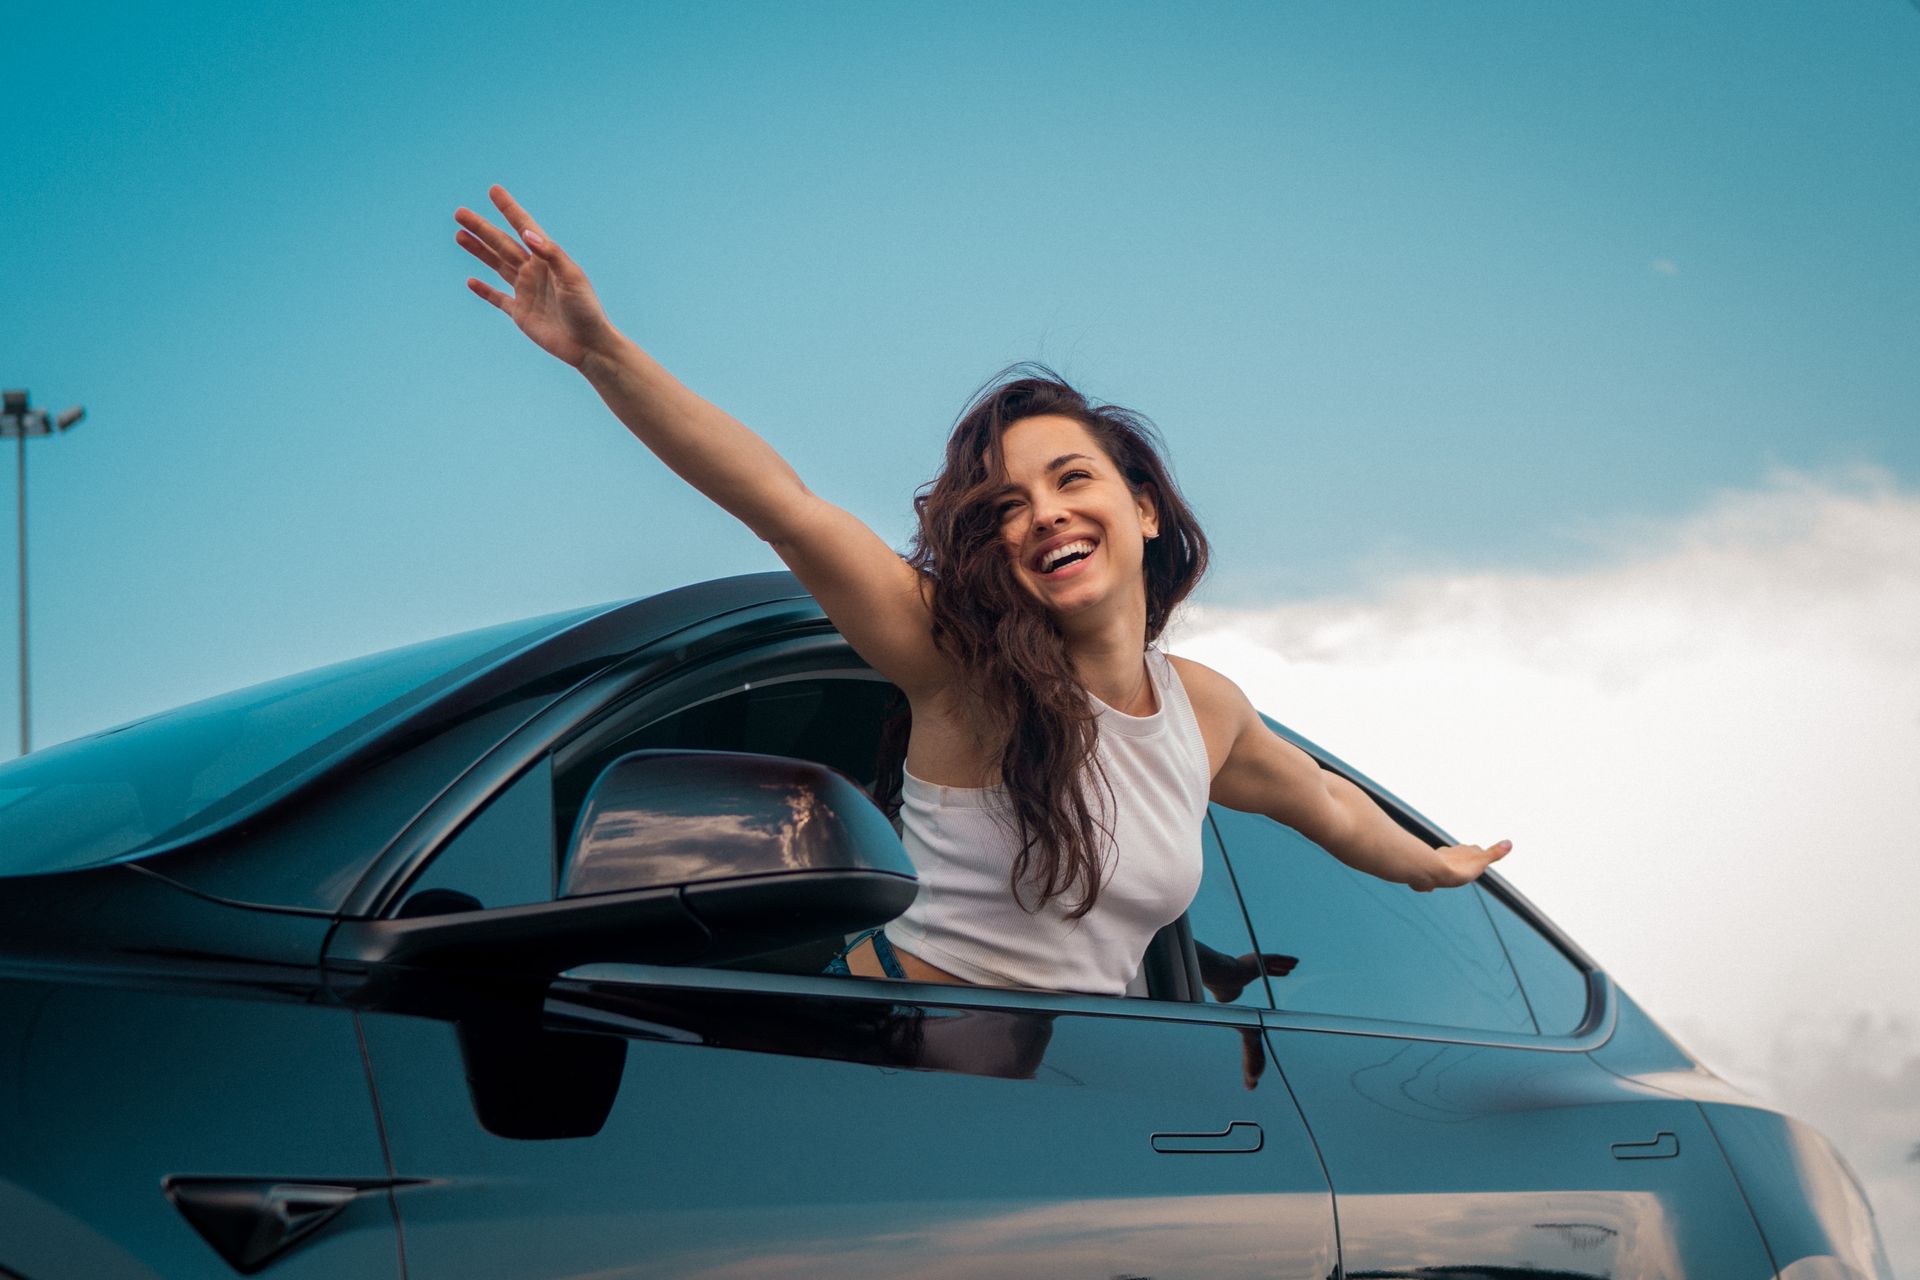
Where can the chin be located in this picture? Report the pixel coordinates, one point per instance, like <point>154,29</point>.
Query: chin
<point>1078,599</point>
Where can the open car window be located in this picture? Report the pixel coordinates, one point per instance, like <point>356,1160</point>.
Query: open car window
<point>833,712</point>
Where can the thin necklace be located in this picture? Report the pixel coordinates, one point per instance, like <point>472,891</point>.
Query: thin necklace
<point>1128,705</point>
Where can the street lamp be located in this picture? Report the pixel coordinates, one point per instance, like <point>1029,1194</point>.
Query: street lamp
<point>17,422</point>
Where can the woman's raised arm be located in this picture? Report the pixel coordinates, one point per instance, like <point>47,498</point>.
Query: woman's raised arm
<point>869,592</point>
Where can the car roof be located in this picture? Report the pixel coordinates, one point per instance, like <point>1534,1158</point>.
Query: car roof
<point>284,850</point>
<point>295,847</point>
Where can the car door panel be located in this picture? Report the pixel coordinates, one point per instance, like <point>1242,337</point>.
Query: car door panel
<point>1500,1160</point>
<point>1457,1139</point>
<point>786,1126</point>
<point>126,1098</point>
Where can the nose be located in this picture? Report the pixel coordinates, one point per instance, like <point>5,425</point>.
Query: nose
<point>1047,515</point>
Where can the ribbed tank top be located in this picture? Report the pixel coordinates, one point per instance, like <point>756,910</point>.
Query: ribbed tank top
<point>965,919</point>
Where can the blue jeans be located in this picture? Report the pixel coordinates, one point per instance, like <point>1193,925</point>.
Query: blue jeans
<point>882,949</point>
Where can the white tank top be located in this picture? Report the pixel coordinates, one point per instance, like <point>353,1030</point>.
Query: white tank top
<point>965,919</point>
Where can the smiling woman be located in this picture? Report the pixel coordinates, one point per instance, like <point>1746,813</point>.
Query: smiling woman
<point>1058,768</point>
<point>1050,518</point>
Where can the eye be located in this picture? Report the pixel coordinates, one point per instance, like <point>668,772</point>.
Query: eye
<point>1072,475</point>
<point>1006,508</point>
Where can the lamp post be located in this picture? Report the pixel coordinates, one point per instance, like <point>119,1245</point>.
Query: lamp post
<point>17,422</point>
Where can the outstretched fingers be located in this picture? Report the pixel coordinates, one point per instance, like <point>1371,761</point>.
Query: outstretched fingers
<point>491,294</point>
<point>507,254</point>
<point>478,248</point>
<point>1460,864</point>
<point>552,256</point>
<point>536,240</point>
<point>1479,858</point>
<point>518,218</point>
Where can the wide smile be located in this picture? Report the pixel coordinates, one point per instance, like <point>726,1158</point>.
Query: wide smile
<point>1065,560</point>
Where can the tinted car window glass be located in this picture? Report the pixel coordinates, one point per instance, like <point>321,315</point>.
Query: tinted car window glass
<point>1556,987</point>
<point>504,856</point>
<point>1230,970</point>
<point>170,775</point>
<point>1367,948</point>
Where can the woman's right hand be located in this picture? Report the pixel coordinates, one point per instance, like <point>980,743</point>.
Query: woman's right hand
<point>551,300</point>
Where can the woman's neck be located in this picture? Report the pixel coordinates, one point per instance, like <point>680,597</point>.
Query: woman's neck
<point>1108,657</point>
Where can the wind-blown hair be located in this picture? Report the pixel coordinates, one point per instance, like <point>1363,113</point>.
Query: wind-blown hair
<point>1010,650</point>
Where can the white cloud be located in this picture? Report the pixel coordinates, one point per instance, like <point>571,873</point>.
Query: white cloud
<point>1666,266</point>
<point>1706,749</point>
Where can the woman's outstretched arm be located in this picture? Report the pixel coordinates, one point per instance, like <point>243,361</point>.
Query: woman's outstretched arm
<point>1258,771</point>
<point>868,591</point>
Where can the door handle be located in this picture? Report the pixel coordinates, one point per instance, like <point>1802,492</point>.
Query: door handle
<point>1663,1147</point>
<point>1240,1136</point>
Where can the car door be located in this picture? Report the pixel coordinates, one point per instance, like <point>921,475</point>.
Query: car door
<point>774,1121</point>
<point>1464,1128</point>
<point>157,1125</point>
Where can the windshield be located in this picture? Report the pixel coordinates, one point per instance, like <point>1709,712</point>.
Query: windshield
<point>156,780</point>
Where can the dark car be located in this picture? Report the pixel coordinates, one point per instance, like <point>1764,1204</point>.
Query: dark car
<point>501,956</point>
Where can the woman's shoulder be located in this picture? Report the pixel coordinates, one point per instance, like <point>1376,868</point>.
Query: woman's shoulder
<point>1203,682</point>
<point>1218,703</point>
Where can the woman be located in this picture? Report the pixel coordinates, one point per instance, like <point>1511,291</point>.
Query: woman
<point>1059,767</point>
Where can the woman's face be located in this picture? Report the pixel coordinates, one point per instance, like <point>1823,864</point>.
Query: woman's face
<point>1075,531</point>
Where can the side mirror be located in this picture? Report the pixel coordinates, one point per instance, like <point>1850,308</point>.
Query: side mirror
<point>679,857</point>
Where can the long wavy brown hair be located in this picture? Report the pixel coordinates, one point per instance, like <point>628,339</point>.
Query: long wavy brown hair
<point>1010,650</point>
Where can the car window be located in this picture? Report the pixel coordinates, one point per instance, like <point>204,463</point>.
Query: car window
<point>1231,970</point>
<point>1556,987</point>
<point>1366,948</point>
<point>848,720</point>
<point>509,854</point>
<point>504,857</point>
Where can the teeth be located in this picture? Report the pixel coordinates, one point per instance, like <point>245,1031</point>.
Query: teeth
<point>1054,556</point>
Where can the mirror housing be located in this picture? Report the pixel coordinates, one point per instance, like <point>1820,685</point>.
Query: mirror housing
<point>678,857</point>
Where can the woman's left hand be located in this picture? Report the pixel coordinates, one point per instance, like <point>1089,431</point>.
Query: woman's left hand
<point>1459,864</point>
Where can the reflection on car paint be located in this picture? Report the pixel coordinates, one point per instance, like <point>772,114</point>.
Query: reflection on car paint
<point>1201,1237</point>
<point>109,1093</point>
<point>1003,1043</point>
<point>1813,1213</point>
<point>1499,1161</point>
<point>1552,1235</point>
<point>762,1134</point>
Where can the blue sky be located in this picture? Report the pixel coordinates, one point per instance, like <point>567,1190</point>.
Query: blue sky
<point>1408,287</point>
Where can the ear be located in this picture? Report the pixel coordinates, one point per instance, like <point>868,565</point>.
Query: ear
<point>1149,513</point>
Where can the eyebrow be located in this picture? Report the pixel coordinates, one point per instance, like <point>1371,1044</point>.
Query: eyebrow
<point>1052,467</point>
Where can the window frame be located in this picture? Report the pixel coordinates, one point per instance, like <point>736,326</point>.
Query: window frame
<point>610,707</point>
<point>709,655</point>
<point>1170,961</point>
<point>1601,1012</point>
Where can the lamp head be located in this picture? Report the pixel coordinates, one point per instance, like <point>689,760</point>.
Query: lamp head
<point>69,416</point>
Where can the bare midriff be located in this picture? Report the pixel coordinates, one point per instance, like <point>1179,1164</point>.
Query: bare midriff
<point>863,961</point>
